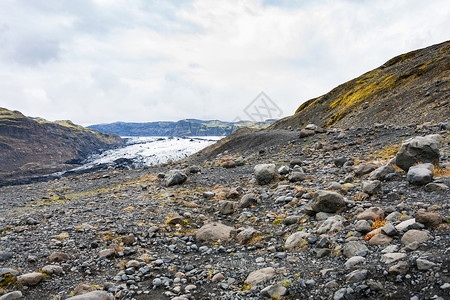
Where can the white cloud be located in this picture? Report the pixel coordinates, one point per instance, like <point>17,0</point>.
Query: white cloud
<point>106,60</point>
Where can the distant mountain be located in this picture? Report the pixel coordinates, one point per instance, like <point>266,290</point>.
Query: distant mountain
<point>34,146</point>
<point>188,127</point>
<point>411,88</point>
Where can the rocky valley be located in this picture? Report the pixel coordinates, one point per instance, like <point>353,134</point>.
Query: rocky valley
<point>309,209</point>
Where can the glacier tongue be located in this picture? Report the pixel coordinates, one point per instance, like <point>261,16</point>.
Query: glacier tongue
<point>147,151</point>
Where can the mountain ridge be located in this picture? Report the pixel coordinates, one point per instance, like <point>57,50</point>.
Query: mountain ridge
<point>185,127</point>
<point>35,146</point>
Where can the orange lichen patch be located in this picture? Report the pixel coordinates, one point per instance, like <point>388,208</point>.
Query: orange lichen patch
<point>378,223</point>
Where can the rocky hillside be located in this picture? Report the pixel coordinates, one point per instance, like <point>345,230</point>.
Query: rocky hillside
<point>188,127</point>
<point>31,147</point>
<point>410,88</point>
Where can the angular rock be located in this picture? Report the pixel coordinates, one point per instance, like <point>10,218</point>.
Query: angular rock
<point>418,149</point>
<point>363,226</point>
<point>213,232</point>
<point>332,225</point>
<point>248,200</point>
<point>365,169</point>
<point>326,201</point>
<point>405,224</point>
<point>391,257</point>
<point>274,291</point>
<point>106,253</point>
<point>52,270</point>
<point>380,239</point>
<point>258,276</point>
<point>174,177</point>
<point>381,173</point>
<point>297,174</point>
<point>371,214</point>
<point>356,276</point>
<point>283,170</point>
<point>353,261</point>
<point>424,265</point>
<point>30,279</point>
<point>399,269</point>
<point>429,219</point>
<point>371,187</point>
<point>290,220</point>
<point>226,207</point>
<point>414,235</point>
<point>420,174</point>
<point>435,187</point>
<point>296,239</point>
<point>247,235</point>
<point>354,248</point>
<point>389,230</point>
<point>264,173</point>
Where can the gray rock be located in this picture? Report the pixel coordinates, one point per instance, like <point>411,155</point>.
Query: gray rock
<point>213,232</point>
<point>356,276</point>
<point>389,230</point>
<point>371,187</point>
<point>174,177</point>
<point>283,170</point>
<point>53,270</point>
<point>208,195</point>
<point>326,201</point>
<point>227,208</point>
<point>365,169</point>
<point>414,235</point>
<point>247,235</point>
<point>419,149</point>
<point>339,161</point>
<point>274,290</point>
<point>12,296</point>
<point>5,255</point>
<point>332,225</point>
<point>106,253</point>
<point>95,295</point>
<point>3,271</point>
<point>306,133</point>
<point>354,248</point>
<point>424,265</point>
<point>391,257</point>
<point>264,173</point>
<point>258,276</point>
<point>354,261</point>
<point>296,239</point>
<point>297,174</point>
<point>248,200</point>
<point>435,187</point>
<point>323,252</point>
<point>30,279</point>
<point>340,294</point>
<point>312,127</point>
<point>429,219</point>
<point>363,226</point>
<point>290,220</point>
<point>420,174</point>
<point>399,269</point>
<point>381,173</point>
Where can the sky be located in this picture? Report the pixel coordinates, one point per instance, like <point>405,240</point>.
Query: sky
<point>101,61</point>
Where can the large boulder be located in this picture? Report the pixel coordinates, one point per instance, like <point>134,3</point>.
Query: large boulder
<point>419,149</point>
<point>326,201</point>
<point>296,239</point>
<point>213,232</point>
<point>420,174</point>
<point>95,295</point>
<point>174,177</point>
<point>264,173</point>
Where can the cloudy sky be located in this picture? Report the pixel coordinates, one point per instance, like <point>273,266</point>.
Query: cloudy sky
<point>99,61</point>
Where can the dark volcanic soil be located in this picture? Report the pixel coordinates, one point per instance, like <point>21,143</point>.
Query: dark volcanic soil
<point>149,228</point>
